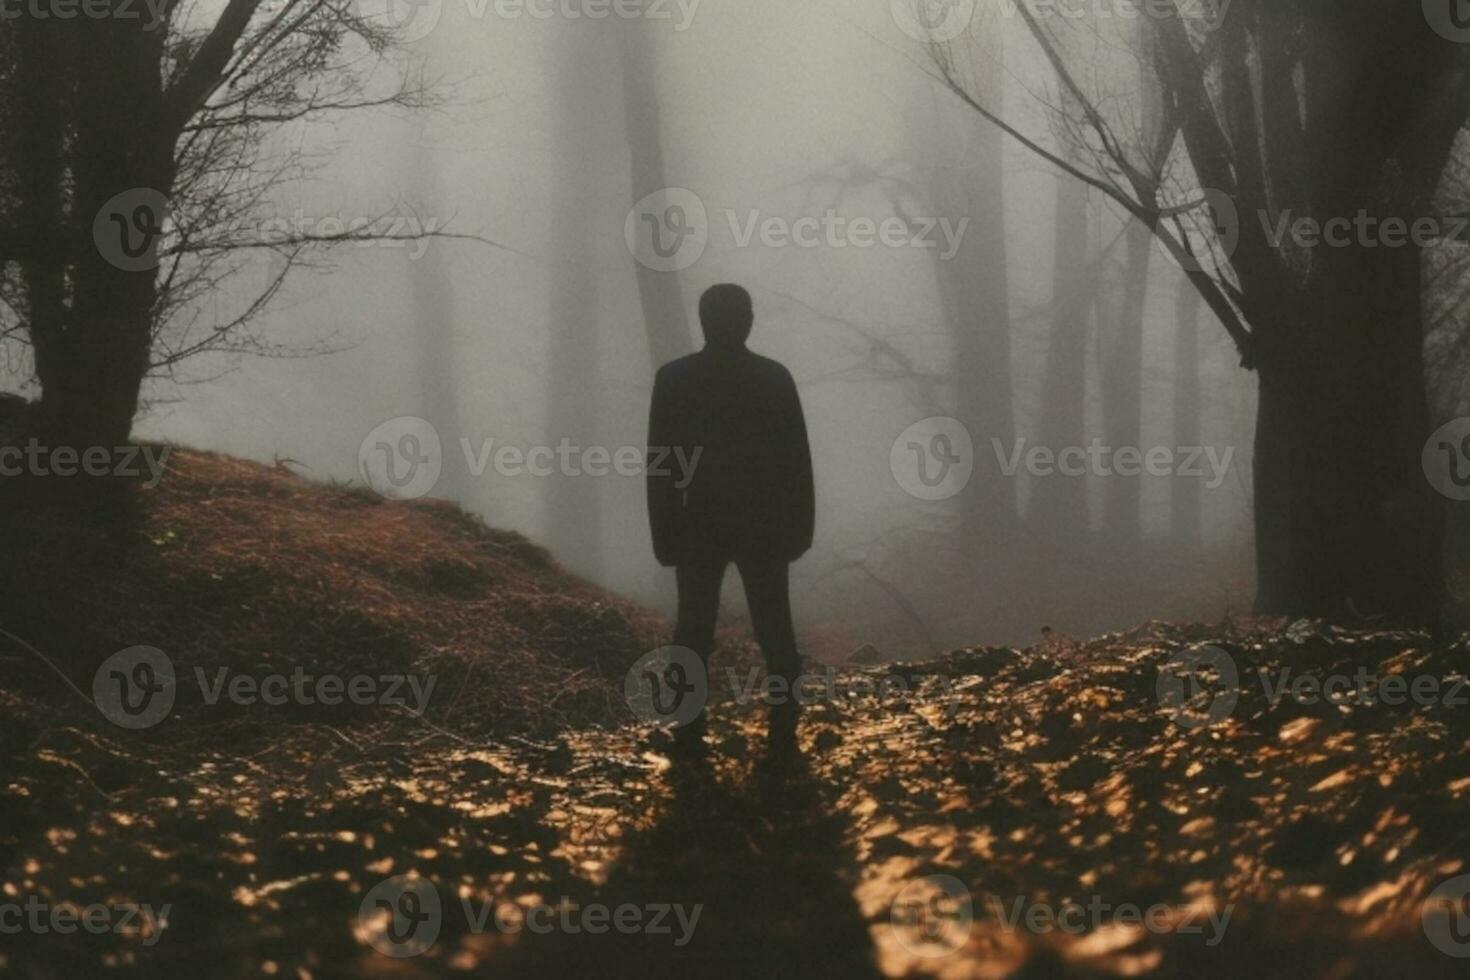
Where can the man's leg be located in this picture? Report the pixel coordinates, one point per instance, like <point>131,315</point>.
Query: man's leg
<point>699,609</point>
<point>767,592</point>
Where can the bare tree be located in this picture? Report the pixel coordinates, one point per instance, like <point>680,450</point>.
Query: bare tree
<point>149,170</point>
<point>1293,108</point>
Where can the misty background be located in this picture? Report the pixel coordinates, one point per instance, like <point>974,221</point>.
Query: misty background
<point>1054,310</point>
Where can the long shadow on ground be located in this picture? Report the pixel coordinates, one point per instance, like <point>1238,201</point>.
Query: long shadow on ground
<point>761,853</point>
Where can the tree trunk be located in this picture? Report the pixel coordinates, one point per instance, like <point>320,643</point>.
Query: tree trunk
<point>431,289</point>
<point>92,380</point>
<point>976,294</point>
<point>661,293</point>
<point>1123,391</point>
<point>1186,495</point>
<point>1058,503</point>
<point>44,67</point>
<point>573,512</point>
<point>1346,523</point>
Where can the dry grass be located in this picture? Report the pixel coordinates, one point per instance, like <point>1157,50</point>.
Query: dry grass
<point>237,564</point>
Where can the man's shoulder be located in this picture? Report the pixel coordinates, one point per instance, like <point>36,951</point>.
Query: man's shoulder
<point>677,367</point>
<point>675,372</point>
<point>749,364</point>
<point>770,367</point>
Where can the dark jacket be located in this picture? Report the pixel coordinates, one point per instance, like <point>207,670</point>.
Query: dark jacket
<point>748,493</point>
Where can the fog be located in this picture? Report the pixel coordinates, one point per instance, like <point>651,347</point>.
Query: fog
<point>533,328</point>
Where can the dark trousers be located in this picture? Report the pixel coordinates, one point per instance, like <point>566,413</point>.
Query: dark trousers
<point>766,592</point>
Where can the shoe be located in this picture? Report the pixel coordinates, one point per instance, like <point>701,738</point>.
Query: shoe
<point>688,741</point>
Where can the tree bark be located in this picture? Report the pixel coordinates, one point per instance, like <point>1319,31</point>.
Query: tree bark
<point>1346,523</point>
<point>90,391</point>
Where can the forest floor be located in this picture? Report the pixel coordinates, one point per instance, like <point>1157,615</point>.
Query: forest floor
<point>1049,811</point>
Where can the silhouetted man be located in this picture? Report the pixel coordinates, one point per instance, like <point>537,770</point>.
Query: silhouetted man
<point>749,499</point>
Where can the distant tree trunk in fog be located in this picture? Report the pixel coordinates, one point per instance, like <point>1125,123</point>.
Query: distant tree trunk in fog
<point>1058,503</point>
<point>976,298</point>
<point>573,517</point>
<point>1122,394</point>
<point>1186,495</point>
<point>661,293</point>
<point>431,290</point>
<point>1122,359</point>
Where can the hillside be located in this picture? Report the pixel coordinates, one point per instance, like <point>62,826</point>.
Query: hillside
<point>231,563</point>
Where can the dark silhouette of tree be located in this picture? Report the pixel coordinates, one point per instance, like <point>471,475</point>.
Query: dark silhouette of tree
<point>1317,110</point>
<point>161,135</point>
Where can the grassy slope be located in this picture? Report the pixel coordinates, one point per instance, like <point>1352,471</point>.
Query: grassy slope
<point>234,563</point>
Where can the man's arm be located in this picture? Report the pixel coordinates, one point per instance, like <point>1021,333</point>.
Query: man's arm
<point>662,494</point>
<point>799,469</point>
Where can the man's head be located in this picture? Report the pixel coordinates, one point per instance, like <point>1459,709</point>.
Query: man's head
<point>726,314</point>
